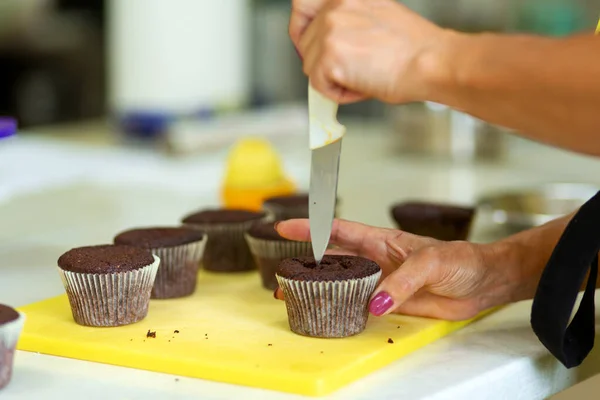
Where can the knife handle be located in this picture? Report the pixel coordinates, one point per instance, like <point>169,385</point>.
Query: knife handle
<point>324,126</point>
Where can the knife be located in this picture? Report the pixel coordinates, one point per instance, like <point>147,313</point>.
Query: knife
<point>325,142</point>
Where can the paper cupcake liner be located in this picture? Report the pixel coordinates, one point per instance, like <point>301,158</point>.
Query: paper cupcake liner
<point>178,271</point>
<point>9,336</point>
<point>281,213</point>
<point>269,253</point>
<point>112,299</point>
<point>226,247</point>
<point>277,212</point>
<point>328,309</point>
<point>271,215</point>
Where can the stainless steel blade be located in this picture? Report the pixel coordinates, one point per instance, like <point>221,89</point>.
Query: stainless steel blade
<point>324,168</point>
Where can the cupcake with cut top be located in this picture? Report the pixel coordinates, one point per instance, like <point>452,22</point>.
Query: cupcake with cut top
<point>439,221</point>
<point>108,285</point>
<point>11,325</point>
<point>226,247</point>
<point>180,250</point>
<point>328,300</point>
<point>291,206</point>
<point>269,249</point>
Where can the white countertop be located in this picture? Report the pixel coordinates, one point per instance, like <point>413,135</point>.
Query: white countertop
<point>57,196</point>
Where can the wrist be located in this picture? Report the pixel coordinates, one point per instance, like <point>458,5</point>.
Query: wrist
<point>450,67</point>
<point>511,261</point>
<point>507,282</point>
<point>438,66</point>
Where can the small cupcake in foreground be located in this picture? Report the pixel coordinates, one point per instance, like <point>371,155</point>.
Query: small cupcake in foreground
<point>329,300</point>
<point>180,250</point>
<point>108,285</point>
<point>269,249</point>
<point>439,221</point>
<point>289,206</point>
<point>11,325</point>
<point>226,248</point>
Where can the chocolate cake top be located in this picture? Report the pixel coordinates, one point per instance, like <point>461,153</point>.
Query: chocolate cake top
<point>155,237</point>
<point>105,259</point>
<point>222,216</point>
<point>331,268</point>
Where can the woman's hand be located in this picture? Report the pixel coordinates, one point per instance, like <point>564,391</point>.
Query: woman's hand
<point>421,276</point>
<point>357,49</point>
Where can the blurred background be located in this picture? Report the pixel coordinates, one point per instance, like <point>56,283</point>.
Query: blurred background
<point>145,64</point>
<point>191,78</point>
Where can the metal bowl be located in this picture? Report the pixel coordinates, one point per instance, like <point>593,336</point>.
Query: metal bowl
<point>515,211</point>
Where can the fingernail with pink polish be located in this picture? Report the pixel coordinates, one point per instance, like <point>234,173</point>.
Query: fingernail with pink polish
<point>380,304</point>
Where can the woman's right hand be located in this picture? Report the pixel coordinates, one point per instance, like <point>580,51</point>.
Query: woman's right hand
<point>421,276</point>
<point>358,49</point>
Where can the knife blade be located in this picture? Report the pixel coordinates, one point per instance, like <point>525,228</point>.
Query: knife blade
<point>324,171</point>
<point>326,144</point>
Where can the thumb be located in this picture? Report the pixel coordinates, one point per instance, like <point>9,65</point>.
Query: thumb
<point>416,272</point>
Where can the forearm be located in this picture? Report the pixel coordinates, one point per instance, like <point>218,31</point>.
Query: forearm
<point>546,89</point>
<point>524,256</point>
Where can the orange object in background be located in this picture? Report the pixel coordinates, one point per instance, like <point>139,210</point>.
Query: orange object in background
<point>254,172</point>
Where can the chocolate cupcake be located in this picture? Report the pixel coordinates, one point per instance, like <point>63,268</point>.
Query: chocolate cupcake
<point>11,325</point>
<point>269,249</point>
<point>180,250</point>
<point>329,300</point>
<point>108,285</point>
<point>226,248</point>
<point>439,221</point>
<point>293,206</point>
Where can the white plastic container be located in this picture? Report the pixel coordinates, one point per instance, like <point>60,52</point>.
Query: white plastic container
<point>177,57</point>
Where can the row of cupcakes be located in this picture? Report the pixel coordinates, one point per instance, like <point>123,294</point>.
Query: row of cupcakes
<point>112,284</point>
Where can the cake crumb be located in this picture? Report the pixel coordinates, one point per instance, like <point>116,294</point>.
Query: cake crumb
<point>398,327</point>
<point>321,352</point>
<point>270,344</point>
<point>390,341</point>
<point>151,334</point>
<point>176,379</point>
<point>175,331</point>
<point>169,340</point>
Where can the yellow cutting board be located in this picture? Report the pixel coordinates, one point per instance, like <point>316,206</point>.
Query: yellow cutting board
<point>231,330</point>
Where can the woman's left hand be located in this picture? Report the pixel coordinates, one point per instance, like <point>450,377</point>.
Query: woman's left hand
<point>421,276</point>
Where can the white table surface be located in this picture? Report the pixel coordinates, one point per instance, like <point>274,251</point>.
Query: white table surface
<point>55,196</point>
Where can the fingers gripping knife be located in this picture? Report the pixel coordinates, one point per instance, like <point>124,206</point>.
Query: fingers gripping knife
<point>325,140</point>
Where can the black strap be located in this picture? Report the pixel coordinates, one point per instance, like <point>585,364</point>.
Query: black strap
<point>575,254</point>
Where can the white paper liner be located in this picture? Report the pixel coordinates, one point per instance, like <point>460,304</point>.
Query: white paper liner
<point>268,253</point>
<point>271,215</point>
<point>331,309</point>
<point>279,212</point>
<point>226,248</point>
<point>111,299</point>
<point>178,271</point>
<point>9,336</point>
